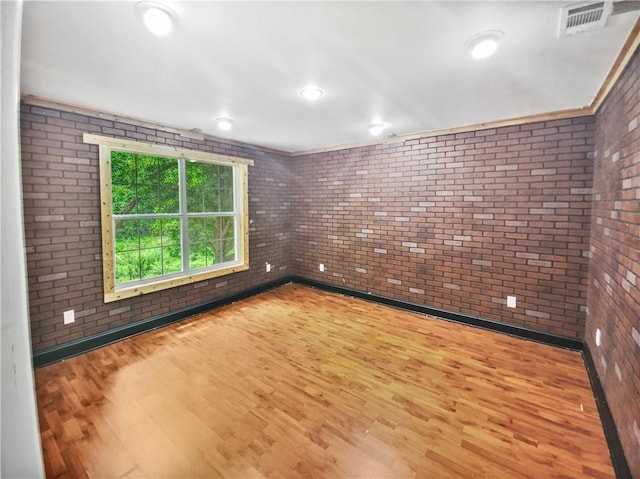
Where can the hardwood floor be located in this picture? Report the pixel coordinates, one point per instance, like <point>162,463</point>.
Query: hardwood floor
<point>299,383</point>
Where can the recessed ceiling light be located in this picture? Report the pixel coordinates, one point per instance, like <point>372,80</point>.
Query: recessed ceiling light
<point>484,44</point>
<point>376,129</point>
<point>157,17</point>
<point>311,93</point>
<point>224,124</point>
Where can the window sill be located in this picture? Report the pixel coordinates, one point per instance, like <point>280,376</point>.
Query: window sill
<point>118,294</point>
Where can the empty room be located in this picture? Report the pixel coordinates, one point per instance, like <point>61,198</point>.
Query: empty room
<point>320,239</point>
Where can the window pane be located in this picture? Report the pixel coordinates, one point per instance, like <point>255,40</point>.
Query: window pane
<point>209,188</point>
<point>211,253</point>
<point>226,176</point>
<point>218,252</point>
<point>150,262</point>
<point>147,199</point>
<point>167,182</point>
<point>229,249</point>
<point>197,242</point>
<point>168,172</point>
<point>123,168</point>
<point>127,266</point>
<point>231,231</point>
<point>223,230</point>
<point>147,184</point>
<point>170,232</point>
<point>146,169</point>
<point>226,200</point>
<point>196,230</point>
<point>126,235</point>
<point>224,227</point>
<point>169,199</point>
<point>210,175</point>
<point>195,186</point>
<point>195,200</point>
<point>197,255</point>
<point>194,174</point>
<point>211,241</point>
<point>123,198</point>
<point>143,184</point>
<point>210,197</point>
<point>147,248</point>
<point>123,181</point>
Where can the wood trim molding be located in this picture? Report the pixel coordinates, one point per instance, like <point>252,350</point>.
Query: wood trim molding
<point>624,57</point>
<point>108,144</point>
<point>192,135</point>
<point>162,150</point>
<point>106,212</point>
<point>392,140</point>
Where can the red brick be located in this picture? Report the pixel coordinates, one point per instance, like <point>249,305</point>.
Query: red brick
<point>615,255</point>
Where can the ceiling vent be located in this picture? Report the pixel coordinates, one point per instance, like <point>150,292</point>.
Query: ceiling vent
<point>583,17</point>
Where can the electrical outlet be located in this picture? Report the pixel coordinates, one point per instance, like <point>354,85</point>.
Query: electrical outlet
<point>69,317</point>
<point>511,301</point>
<point>268,267</point>
<point>321,267</point>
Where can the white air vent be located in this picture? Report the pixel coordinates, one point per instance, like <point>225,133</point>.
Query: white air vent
<point>583,17</point>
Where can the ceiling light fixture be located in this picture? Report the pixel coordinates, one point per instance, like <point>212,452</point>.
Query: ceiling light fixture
<point>224,124</point>
<point>376,129</point>
<point>311,93</point>
<point>484,44</point>
<point>157,17</point>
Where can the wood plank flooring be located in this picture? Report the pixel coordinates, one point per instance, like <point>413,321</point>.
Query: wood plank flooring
<point>300,383</point>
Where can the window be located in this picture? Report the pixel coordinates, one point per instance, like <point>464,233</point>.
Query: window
<point>170,216</point>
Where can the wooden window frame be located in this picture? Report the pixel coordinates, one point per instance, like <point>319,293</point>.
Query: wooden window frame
<point>106,145</point>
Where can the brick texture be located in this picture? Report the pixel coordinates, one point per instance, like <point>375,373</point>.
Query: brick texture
<point>614,276</point>
<point>63,234</point>
<point>457,221</point>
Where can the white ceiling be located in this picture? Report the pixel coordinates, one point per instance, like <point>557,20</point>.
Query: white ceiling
<point>402,63</point>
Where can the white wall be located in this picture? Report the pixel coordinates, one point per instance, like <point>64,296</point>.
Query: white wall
<point>20,442</point>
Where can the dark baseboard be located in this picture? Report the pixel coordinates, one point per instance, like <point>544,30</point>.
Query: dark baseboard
<point>83,345</point>
<point>618,459</point>
<point>525,333</point>
<point>74,348</point>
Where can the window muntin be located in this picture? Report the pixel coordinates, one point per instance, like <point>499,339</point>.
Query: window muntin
<point>146,248</point>
<point>169,216</point>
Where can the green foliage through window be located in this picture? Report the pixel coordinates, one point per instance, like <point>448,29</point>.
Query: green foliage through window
<point>155,233</point>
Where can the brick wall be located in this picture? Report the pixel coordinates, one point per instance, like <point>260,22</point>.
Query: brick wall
<point>63,234</point>
<point>456,222</point>
<point>614,276</point>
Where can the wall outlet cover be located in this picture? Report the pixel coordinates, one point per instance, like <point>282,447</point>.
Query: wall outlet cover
<point>69,317</point>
